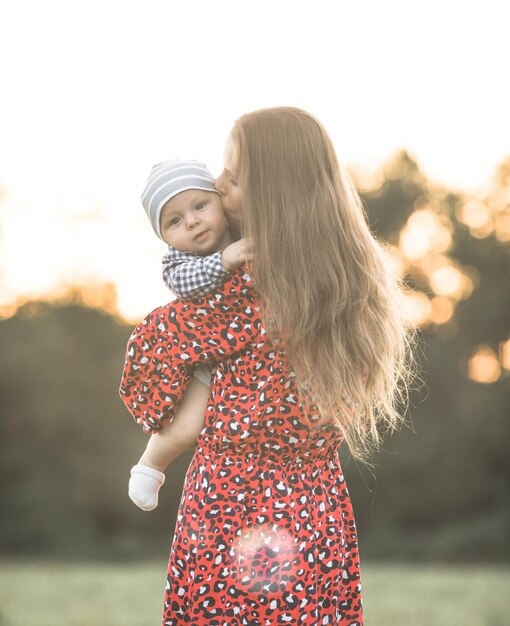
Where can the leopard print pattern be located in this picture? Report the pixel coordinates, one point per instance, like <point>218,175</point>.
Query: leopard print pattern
<point>265,532</point>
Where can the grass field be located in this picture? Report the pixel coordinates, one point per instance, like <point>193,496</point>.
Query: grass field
<point>63,594</point>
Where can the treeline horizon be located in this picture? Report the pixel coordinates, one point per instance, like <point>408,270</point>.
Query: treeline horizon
<point>439,489</point>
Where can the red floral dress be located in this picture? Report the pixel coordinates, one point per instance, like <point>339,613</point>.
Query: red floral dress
<point>265,532</point>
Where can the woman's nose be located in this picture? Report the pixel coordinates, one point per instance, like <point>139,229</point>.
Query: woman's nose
<point>218,184</point>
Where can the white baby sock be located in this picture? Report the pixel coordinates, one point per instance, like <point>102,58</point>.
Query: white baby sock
<point>144,485</point>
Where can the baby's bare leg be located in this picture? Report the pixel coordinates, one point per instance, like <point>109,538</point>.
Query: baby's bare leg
<point>181,434</point>
<point>165,446</point>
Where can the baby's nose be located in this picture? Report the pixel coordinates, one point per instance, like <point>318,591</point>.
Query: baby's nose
<point>191,220</point>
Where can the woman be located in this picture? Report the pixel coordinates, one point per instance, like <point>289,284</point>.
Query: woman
<point>310,348</point>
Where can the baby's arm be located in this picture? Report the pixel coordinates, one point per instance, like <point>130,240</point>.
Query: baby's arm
<point>190,275</point>
<point>179,436</point>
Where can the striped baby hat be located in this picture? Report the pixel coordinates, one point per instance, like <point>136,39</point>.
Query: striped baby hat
<point>168,179</point>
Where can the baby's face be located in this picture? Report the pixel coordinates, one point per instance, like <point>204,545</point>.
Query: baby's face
<point>194,221</point>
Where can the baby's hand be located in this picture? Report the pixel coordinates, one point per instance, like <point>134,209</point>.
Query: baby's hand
<point>237,253</point>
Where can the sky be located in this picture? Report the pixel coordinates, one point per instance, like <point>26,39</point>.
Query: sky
<point>96,92</point>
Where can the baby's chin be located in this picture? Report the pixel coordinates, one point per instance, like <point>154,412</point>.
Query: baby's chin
<point>203,250</point>
<point>207,252</point>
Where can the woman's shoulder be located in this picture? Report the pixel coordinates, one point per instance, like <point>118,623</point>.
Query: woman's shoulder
<point>207,329</point>
<point>236,294</point>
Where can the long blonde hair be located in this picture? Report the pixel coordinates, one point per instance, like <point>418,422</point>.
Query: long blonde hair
<point>328,287</point>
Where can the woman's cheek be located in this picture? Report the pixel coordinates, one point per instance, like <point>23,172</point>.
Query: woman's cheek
<point>232,210</point>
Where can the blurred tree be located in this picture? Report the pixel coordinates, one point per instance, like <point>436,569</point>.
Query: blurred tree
<point>391,204</point>
<point>443,491</point>
<point>439,490</point>
<point>67,443</point>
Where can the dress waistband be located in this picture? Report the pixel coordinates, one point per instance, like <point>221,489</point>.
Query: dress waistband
<point>299,458</point>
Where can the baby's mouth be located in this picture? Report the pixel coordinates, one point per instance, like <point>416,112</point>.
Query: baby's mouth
<point>201,235</point>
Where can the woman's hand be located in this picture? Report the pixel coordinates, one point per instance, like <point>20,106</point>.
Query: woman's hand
<point>237,253</point>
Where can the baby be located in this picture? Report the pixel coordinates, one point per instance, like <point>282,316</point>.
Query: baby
<point>185,211</point>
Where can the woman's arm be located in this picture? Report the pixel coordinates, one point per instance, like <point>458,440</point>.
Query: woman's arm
<point>166,346</point>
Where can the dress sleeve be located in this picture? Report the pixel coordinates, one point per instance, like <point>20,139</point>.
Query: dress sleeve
<point>172,340</point>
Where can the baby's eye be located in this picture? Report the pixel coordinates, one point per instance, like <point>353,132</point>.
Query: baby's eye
<point>199,206</point>
<point>175,220</point>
